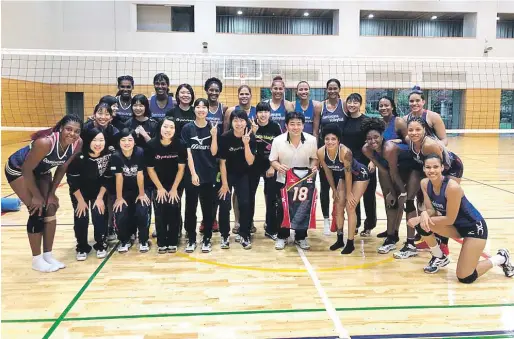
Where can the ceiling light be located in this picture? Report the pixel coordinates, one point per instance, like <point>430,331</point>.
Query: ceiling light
<point>240,12</point>
<point>433,17</point>
<point>306,14</point>
<point>371,16</point>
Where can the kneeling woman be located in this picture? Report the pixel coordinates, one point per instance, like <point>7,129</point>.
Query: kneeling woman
<point>348,179</point>
<point>166,162</point>
<point>28,173</point>
<point>88,184</point>
<point>131,202</point>
<point>458,219</point>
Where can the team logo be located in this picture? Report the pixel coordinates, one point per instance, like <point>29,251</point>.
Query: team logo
<point>200,141</point>
<point>480,228</point>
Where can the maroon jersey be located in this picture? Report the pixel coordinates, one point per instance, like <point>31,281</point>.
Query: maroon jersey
<point>299,200</point>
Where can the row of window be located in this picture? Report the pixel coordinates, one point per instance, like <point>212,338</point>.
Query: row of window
<point>165,18</point>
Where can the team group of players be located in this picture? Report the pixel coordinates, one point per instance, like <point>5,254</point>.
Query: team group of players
<point>137,156</point>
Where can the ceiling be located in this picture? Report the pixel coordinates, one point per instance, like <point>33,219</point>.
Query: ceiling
<point>411,15</point>
<point>277,12</point>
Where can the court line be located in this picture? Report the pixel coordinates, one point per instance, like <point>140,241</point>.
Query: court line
<point>285,270</point>
<point>467,335</point>
<point>340,330</point>
<point>250,312</point>
<point>78,295</point>
<point>482,183</point>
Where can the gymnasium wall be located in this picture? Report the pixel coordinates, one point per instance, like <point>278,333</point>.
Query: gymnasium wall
<point>112,26</point>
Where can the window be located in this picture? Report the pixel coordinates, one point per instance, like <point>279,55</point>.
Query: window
<point>161,18</point>
<point>507,109</point>
<point>505,26</point>
<point>372,98</point>
<point>419,24</point>
<point>276,21</point>
<point>75,103</point>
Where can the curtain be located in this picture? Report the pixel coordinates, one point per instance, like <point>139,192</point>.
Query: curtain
<point>505,29</point>
<point>421,28</point>
<point>274,25</point>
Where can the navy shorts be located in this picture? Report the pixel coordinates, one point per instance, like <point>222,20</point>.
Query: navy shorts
<point>456,167</point>
<point>361,175</point>
<point>11,172</point>
<point>476,229</point>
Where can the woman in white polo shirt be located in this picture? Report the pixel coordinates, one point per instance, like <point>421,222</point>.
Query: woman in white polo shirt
<point>292,149</point>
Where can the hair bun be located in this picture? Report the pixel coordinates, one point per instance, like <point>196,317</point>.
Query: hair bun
<point>278,78</point>
<point>416,88</point>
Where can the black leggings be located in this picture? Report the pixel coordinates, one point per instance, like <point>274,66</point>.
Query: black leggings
<point>270,197</point>
<point>206,194</point>
<point>80,225</point>
<point>167,222</point>
<point>370,204</point>
<point>132,214</point>
<point>324,194</point>
<point>241,185</point>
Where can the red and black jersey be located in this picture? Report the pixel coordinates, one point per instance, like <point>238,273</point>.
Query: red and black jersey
<point>299,199</point>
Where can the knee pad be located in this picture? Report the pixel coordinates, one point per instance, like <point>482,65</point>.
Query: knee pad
<point>470,278</point>
<point>410,206</point>
<point>422,232</point>
<point>36,223</point>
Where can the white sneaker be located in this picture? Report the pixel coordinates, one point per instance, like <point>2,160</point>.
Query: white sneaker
<point>143,247</point>
<point>100,254</point>
<point>304,245</point>
<point>326,227</point>
<point>206,246</point>
<point>172,249</point>
<point>191,247</point>
<point>112,237</point>
<point>386,247</point>
<point>122,248</point>
<point>238,238</point>
<point>81,256</point>
<point>280,244</point>
<point>225,243</point>
<point>162,249</point>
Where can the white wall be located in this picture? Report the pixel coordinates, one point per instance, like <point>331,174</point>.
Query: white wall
<point>112,26</point>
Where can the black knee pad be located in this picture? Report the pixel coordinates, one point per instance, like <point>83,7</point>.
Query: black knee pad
<point>422,232</point>
<point>469,279</point>
<point>410,206</point>
<point>36,223</point>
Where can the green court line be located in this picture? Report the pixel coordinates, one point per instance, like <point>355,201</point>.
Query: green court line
<point>78,295</point>
<point>207,314</point>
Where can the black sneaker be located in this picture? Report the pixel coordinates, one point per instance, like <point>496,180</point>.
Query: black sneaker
<point>382,235</point>
<point>246,243</point>
<point>507,266</point>
<point>273,237</point>
<point>206,246</point>
<point>436,263</point>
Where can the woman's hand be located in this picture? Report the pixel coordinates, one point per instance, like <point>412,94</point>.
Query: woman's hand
<point>162,196</point>
<point>118,204</point>
<point>81,209</point>
<point>144,199</point>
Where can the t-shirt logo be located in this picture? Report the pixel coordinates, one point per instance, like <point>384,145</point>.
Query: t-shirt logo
<point>200,141</point>
<point>130,171</point>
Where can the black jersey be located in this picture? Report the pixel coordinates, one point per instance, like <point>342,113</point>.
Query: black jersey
<point>299,199</point>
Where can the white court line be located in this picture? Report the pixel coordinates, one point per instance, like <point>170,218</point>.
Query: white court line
<point>341,331</point>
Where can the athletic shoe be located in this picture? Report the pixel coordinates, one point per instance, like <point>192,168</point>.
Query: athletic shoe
<point>507,266</point>
<point>387,246</point>
<point>162,249</point>
<point>111,237</point>
<point>326,226</point>
<point>191,247</point>
<point>206,246</point>
<point>235,229</point>
<point>445,249</point>
<point>280,244</point>
<point>304,245</point>
<point>144,247</point>
<point>273,237</point>
<point>123,247</point>
<point>238,238</point>
<point>202,227</point>
<point>246,243</point>
<point>172,249</point>
<point>154,234</point>
<point>253,229</point>
<point>81,256</point>
<point>382,235</point>
<point>436,263</point>
<point>100,254</point>
<point>423,247</point>
<point>407,251</point>
<point>225,243</point>
<point>215,226</point>
<point>366,233</point>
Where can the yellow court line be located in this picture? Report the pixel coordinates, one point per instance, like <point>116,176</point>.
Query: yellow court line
<point>284,270</point>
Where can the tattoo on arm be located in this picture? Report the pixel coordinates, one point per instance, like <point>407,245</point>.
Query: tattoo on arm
<point>347,160</point>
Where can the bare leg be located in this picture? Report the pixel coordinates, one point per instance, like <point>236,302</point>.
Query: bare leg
<point>469,258</point>
<point>339,217</point>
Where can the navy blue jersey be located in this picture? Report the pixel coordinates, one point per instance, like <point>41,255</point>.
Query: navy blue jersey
<point>452,164</point>
<point>52,159</point>
<point>124,113</point>
<point>390,132</point>
<point>279,115</point>
<point>468,217</point>
<point>359,171</point>
<point>253,112</point>
<point>157,112</point>
<point>404,157</point>
<point>299,200</point>
<point>429,130</point>
<point>336,116</point>
<point>309,115</point>
<point>216,117</point>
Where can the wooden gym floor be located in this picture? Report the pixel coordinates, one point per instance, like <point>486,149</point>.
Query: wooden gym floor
<point>263,293</point>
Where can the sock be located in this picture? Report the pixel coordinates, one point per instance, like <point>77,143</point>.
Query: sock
<point>349,248</point>
<point>52,261</point>
<point>340,232</point>
<point>497,260</point>
<point>436,251</point>
<point>39,264</point>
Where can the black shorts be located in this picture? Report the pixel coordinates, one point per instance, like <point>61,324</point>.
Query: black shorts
<point>477,229</point>
<point>361,175</point>
<point>456,168</point>
<point>11,172</point>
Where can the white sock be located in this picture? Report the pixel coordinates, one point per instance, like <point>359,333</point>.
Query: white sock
<point>436,251</point>
<point>497,260</point>
<point>39,264</point>
<point>52,261</point>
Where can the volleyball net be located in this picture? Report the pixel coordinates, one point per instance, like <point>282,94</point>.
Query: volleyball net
<point>472,95</point>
